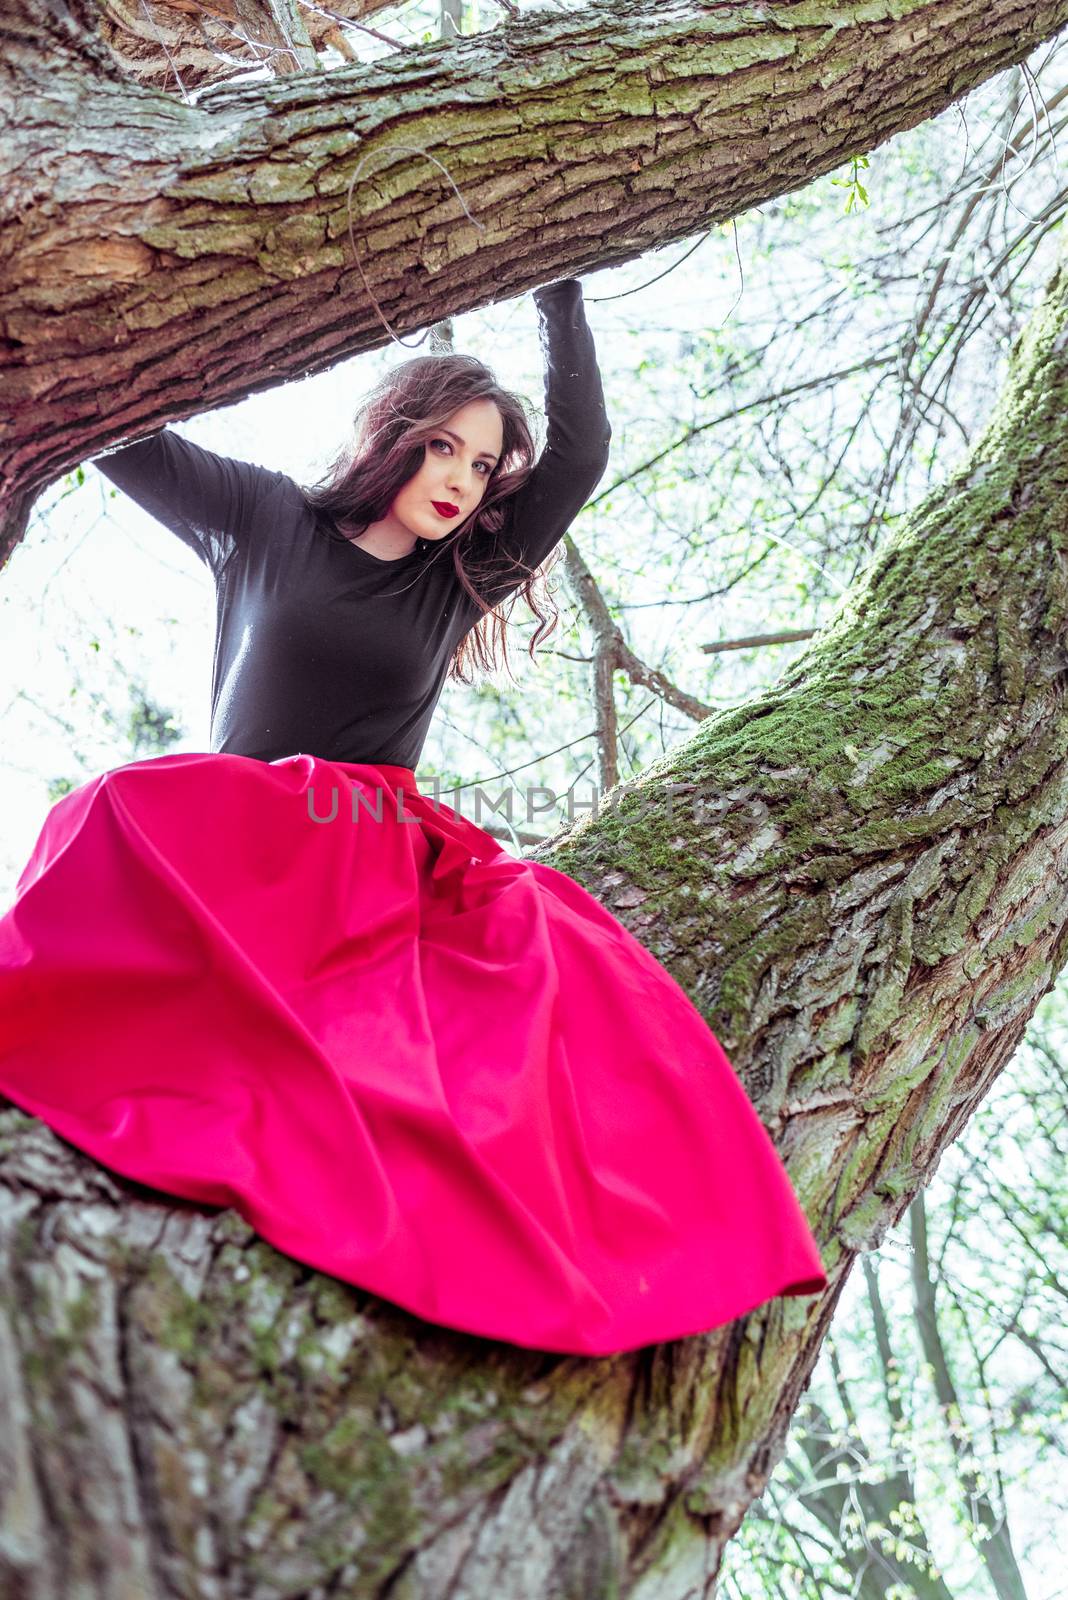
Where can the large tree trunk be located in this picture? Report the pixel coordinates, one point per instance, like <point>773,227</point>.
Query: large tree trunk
<point>160,259</point>
<point>860,879</point>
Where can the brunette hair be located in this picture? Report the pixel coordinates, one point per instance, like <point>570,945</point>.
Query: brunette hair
<point>393,425</point>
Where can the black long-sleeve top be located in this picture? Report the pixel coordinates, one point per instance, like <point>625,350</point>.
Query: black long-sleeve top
<point>320,646</point>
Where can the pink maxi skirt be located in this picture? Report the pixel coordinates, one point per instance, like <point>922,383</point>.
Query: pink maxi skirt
<point>404,1056</point>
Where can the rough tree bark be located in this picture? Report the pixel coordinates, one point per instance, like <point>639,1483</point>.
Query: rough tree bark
<point>860,877</point>
<point>186,44</point>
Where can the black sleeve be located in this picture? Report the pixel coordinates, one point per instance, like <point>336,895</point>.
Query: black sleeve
<point>211,502</point>
<point>577,439</point>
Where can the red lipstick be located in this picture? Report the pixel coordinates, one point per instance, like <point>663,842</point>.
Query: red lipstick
<point>444,509</point>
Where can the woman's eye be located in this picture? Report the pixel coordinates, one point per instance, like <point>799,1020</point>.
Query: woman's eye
<point>485,465</point>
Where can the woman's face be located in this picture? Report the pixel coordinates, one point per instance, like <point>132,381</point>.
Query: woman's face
<point>457,463</point>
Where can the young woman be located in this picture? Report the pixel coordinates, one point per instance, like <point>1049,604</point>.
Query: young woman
<point>278,977</point>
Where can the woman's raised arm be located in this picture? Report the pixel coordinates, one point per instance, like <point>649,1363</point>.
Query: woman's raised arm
<point>578,435</point>
<point>211,502</point>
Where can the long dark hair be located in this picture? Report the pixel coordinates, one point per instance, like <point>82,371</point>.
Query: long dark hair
<point>393,426</point>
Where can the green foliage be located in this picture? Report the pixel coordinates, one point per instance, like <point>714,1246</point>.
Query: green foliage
<point>56,788</point>
<point>71,482</point>
<point>151,729</point>
<point>855,189</point>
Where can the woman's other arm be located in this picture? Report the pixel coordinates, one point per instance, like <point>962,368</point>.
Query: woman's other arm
<point>210,501</point>
<point>578,435</point>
